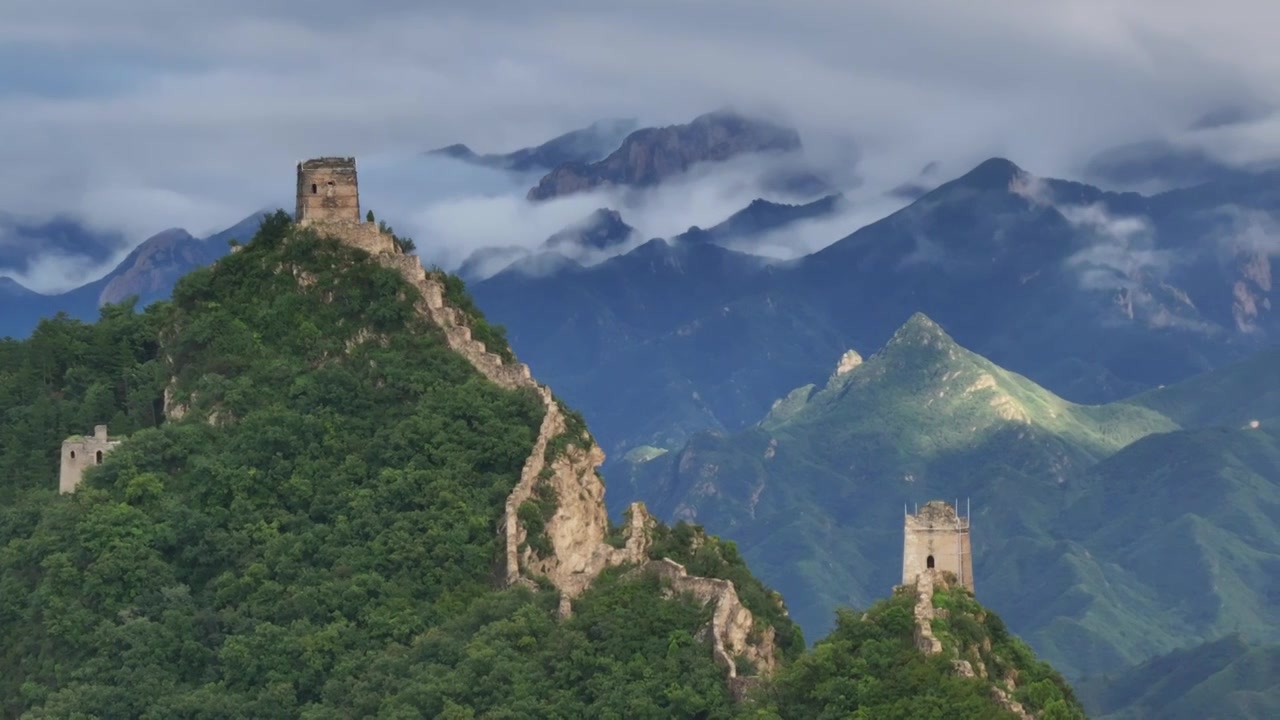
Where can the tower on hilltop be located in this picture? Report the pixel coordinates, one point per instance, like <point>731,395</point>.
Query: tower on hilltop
<point>936,538</point>
<point>327,191</point>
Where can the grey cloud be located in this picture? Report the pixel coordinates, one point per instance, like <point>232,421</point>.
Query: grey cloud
<point>1249,231</point>
<point>215,101</point>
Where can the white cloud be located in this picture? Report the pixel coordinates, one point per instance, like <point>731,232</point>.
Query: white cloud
<point>1250,231</point>
<point>196,112</point>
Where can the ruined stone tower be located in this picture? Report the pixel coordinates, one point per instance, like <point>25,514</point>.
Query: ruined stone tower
<point>327,191</point>
<point>329,200</point>
<point>936,538</point>
<point>81,453</point>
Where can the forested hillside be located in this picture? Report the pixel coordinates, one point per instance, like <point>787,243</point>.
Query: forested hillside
<point>310,529</point>
<point>1078,510</point>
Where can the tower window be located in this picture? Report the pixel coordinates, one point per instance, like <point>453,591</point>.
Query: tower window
<point>73,454</point>
<point>927,563</point>
<point>313,188</point>
<point>99,459</point>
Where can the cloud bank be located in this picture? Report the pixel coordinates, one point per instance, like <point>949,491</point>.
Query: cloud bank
<point>139,115</point>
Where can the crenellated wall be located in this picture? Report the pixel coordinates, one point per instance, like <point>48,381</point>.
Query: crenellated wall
<point>577,530</point>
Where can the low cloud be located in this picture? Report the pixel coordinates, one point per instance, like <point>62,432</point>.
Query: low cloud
<point>139,115</point>
<point>452,209</point>
<point>1249,231</point>
<point>1123,249</point>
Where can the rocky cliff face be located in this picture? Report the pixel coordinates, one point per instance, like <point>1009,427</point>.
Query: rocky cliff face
<point>732,626</point>
<point>651,155</point>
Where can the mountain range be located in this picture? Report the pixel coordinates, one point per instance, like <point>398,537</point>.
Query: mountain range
<point>1104,391</point>
<point>333,494</point>
<point>584,145</point>
<point>149,272</point>
<point>1227,678</point>
<point>649,156</point>
<point>155,264</point>
<point>1079,511</point>
<point>1094,295</point>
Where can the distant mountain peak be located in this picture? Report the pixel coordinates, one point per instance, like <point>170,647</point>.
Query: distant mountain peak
<point>992,173</point>
<point>763,215</point>
<point>920,329</point>
<point>9,286</point>
<point>582,145</point>
<point>456,150</point>
<point>602,229</point>
<point>650,155</point>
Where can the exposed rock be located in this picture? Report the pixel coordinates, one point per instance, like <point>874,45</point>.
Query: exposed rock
<point>732,624</point>
<point>924,614</point>
<point>650,155</point>
<point>848,361</point>
<point>929,644</point>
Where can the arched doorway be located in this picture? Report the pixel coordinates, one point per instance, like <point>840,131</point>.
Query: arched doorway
<point>98,457</point>
<point>927,563</point>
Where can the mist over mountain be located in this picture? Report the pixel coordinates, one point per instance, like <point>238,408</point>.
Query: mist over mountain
<point>648,156</point>
<point>576,146</point>
<point>1094,295</point>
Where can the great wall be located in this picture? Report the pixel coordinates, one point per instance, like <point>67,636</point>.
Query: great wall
<point>328,203</point>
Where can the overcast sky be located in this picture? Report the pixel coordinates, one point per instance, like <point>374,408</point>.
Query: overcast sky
<point>137,115</point>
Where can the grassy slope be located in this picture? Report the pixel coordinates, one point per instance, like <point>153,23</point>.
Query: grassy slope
<point>1231,396</point>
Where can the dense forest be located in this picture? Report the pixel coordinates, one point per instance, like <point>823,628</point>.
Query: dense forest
<point>317,535</point>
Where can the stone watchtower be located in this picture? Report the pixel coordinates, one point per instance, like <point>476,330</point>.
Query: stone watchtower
<point>327,191</point>
<point>81,453</point>
<point>329,201</point>
<point>936,538</point>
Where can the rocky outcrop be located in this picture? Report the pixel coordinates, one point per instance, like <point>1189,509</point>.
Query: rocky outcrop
<point>928,643</point>
<point>578,527</point>
<point>1250,293</point>
<point>651,155</point>
<point>848,361</point>
<point>733,630</point>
